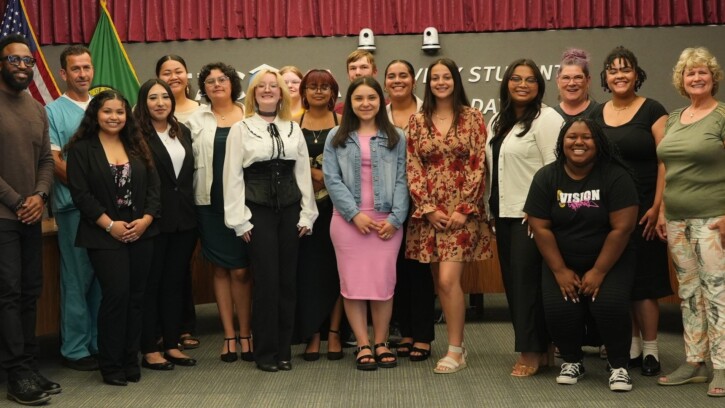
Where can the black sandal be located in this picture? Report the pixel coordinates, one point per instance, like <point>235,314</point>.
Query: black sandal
<point>371,364</point>
<point>379,357</point>
<point>406,352</point>
<point>334,355</point>
<point>423,353</point>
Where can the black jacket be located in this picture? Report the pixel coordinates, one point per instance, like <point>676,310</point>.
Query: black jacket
<point>177,193</point>
<point>93,191</point>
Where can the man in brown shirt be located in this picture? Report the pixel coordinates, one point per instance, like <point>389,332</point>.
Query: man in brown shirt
<point>26,175</point>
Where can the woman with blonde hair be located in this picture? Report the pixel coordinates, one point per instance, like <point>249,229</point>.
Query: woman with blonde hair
<point>269,202</point>
<point>692,217</point>
<point>293,78</point>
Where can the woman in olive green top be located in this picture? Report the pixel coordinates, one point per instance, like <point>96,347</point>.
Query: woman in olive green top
<point>692,218</point>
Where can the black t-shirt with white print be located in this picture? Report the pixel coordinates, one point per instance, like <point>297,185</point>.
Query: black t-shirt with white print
<point>579,209</point>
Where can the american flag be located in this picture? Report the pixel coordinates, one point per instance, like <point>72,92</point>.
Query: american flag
<point>15,21</point>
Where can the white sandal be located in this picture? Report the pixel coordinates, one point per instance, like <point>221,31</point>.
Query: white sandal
<point>448,365</point>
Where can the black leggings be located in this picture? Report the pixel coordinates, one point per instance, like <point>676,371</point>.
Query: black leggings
<point>610,310</point>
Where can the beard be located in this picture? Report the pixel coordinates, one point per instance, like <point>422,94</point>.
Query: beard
<point>15,84</point>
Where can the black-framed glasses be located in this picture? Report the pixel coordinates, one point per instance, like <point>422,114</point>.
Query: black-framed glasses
<point>15,60</point>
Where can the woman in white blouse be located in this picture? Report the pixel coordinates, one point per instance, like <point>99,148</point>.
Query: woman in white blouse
<point>269,202</point>
<point>521,140</point>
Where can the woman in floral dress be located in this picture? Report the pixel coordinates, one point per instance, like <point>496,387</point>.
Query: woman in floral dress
<point>446,165</point>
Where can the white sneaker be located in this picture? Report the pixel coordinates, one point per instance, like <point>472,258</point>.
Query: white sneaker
<point>619,380</point>
<point>570,373</point>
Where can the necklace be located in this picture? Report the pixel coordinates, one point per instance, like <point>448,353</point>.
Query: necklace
<point>440,117</point>
<point>616,109</point>
<point>267,114</point>
<point>316,135</point>
<point>693,112</point>
<point>222,116</point>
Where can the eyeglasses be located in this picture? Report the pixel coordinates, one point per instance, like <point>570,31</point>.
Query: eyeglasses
<point>319,88</point>
<point>222,80</point>
<point>16,59</point>
<point>529,80</point>
<point>576,78</point>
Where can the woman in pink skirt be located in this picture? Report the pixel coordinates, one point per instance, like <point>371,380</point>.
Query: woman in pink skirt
<point>364,168</point>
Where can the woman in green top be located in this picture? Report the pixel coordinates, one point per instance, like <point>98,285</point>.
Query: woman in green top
<point>692,219</point>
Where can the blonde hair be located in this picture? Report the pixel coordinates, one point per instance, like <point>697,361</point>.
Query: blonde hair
<point>696,57</point>
<point>291,68</point>
<point>358,55</point>
<point>250,102</point>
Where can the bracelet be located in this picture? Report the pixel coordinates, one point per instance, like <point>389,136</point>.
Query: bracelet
<point>108,228</point>
<point>19,204</point>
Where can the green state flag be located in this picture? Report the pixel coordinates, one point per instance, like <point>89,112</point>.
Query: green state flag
<point>111,63</point>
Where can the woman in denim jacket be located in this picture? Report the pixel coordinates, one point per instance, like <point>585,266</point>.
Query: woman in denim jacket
<point>364,168</point>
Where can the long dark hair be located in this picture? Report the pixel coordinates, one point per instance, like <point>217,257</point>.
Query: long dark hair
<point>506,119</point>
<point>460,100</point>
<point>607,152</point>
<point>629,60</point>
<point>350,122</point>
<point>130,135</point>
<point>143,116</point>
<point>174,57</point>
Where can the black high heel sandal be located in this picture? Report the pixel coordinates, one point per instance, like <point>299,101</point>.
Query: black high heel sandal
<point>246,355</point>
<point>334,355</point>
<point>229,356</point>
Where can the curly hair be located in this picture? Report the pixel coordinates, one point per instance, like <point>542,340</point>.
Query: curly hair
<point>130,135</point>
<point>696,57</point>
<point>228,71</point>
<point>627,58</point>
<point>319,77</point>
<point>574,56</point>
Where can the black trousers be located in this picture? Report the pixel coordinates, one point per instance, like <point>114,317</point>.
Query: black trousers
<point>414,298</point>
<point>163,299</point>
<point>188,312</point>
<point>521,271</point>
<point>122,274</point>
<point>274,247</point>
<point>610,310</point>
<point>21,282</point>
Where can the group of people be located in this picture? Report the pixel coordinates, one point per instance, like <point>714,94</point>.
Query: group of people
<point>310,210</point>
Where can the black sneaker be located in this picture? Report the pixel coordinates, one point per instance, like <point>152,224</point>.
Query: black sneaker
<point>26,392</point>
<point>45,384</point>
<point>619,380</point>
<point>570,373</point>
<point>87,363</point>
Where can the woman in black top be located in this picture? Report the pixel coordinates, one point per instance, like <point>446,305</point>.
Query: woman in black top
<point>114,184</point>
<point>582,209</point>
<point>170,145</point>
<point>318,284</point>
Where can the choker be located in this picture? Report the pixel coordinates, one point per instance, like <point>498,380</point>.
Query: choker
<point>267,114</point>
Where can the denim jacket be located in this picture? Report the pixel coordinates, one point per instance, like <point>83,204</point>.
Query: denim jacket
<point>341,167</point>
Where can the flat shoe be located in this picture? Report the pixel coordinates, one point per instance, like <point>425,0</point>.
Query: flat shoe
<point>650,366</point>
<point>448,365</point>
<point>522,370</point>
<point>165,366</point>
<point>115,381</point>
<point>380,357</point>
<point>270,368</point>
<point>284,366</point>
<point>422,356</point>
<point>407,349</point>
<point>685,374</point>
<point>181,361</point>
<point>718,381</point>
<point>370,365</point>
<point>188,342</point>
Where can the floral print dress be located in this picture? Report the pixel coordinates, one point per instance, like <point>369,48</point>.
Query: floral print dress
<point>446,173</point>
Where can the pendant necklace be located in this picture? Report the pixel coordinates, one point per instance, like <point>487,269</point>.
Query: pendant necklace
<point>316,135</point>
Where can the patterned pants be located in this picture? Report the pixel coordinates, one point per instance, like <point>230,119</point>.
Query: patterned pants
<point>699,261</point>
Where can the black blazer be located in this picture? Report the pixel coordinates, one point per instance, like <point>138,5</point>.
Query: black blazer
<point>93,190</point>
<point>177,193</point>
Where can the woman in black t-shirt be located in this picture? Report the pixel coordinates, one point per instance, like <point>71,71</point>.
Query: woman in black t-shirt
<point>583,209</point>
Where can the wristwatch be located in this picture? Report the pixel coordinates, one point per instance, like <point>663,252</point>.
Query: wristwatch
<point>42,195</point>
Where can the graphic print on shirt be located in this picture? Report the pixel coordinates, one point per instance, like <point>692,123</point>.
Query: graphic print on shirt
<point>575,201</point>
